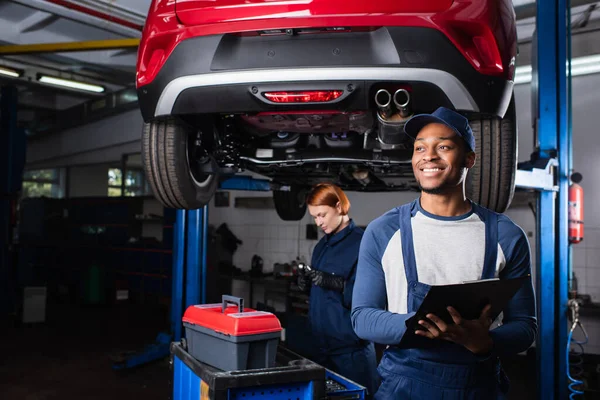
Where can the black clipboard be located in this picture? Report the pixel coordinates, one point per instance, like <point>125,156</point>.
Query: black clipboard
<point>467,298</point>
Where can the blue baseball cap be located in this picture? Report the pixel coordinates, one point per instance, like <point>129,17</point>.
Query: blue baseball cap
<point>453,120</point>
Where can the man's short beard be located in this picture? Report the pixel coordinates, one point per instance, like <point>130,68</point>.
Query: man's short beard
<point>435,190</point>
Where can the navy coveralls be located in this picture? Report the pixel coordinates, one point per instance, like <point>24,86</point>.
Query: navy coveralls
<point>436,369</point>
<point>336,345</point>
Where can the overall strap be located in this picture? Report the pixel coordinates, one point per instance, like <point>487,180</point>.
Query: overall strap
<point>408,250</point>
<point>490,219</point>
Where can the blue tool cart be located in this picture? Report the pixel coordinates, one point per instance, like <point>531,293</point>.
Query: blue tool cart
<point>295,378</point>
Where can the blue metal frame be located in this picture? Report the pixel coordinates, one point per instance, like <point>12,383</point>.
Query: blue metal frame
<point>245,183</point>
<point>178,273</point>
<point>204,252</point>
<point>552,274</point>
<point>192,272</point>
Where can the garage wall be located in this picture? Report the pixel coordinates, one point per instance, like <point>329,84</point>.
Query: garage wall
<point>277,241</point>
<point>102,141</point>
<point>91,180</point>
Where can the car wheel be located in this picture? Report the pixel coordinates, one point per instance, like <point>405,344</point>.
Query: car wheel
<point>491,182</point>
<point>167,149</point>
<point>290,205</point>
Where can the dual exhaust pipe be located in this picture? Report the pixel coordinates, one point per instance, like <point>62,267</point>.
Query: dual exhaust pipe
<point>400,99</point>
<point>394,111</point>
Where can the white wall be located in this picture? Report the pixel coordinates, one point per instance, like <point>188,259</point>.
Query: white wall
<point>277,241</point>
<point>586,145</point>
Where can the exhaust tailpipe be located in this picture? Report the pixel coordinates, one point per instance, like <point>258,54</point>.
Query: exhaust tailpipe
<point>390,132</point>
<point>402,102</point>
<point>383,99</point>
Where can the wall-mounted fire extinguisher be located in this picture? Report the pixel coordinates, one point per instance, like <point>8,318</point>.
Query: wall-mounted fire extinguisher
<point>575,209</point>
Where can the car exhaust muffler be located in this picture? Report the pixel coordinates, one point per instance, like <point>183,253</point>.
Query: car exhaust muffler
<point>390,119</point>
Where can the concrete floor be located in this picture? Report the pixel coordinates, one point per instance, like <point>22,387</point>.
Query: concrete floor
<point>69,357</point>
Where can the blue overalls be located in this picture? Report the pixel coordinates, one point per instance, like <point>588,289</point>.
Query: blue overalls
<point>336,346</point>
<point>436,369</point>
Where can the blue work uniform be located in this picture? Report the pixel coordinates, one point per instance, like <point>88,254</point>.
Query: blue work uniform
<point>337,347</point>
<point>435,369</point>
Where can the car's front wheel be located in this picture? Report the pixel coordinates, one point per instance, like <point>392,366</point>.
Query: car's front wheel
<point>180,176</point>
<point>290,204</point>
<point>491,182</point>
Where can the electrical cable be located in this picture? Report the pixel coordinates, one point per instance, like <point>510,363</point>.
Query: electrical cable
<point>575,378</point>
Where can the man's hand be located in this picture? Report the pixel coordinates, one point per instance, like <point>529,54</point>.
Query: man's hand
<point>472,334</point>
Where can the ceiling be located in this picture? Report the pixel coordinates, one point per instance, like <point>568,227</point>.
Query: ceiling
<point>42,107</point>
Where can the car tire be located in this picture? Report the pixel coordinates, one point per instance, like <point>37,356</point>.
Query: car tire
<point>290,205</point>
<point>165,153</point>
<point>491,182</point>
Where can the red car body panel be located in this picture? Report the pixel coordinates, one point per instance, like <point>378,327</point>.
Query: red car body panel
<point>483,31</point>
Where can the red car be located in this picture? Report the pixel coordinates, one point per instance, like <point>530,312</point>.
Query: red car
<point>302,91</point>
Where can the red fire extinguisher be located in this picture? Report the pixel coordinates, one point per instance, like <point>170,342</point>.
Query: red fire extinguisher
<point>575,209</point>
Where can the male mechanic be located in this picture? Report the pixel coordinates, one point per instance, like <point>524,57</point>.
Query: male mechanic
<point>441,238</point>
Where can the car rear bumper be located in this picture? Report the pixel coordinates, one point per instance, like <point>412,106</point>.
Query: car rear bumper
<point>221,73</point>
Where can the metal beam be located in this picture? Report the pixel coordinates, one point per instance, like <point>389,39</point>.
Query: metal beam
<point>538,175</point>
<point>80,17</point>
<point>193,283</point>
<point>177,280</point>
<point>37,21</point>
<point>63,47</point>
<point>552,275</point>
<point>529,10</point>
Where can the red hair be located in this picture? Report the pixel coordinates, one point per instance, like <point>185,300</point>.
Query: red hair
<point>328,194</point>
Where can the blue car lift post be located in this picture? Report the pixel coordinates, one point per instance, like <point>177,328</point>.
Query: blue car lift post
<point>188,284</point>
<point>554,154</point>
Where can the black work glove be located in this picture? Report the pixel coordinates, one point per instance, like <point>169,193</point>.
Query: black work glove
<point>328,281</point>
<point>304,280</point>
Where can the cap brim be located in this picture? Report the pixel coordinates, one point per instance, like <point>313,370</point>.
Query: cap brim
<point>414,125</point>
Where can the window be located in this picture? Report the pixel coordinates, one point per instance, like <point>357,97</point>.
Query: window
<point>135,184</point>
<point>43,183</point>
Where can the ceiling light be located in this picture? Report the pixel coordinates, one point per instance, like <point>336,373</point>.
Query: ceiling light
<point>579,66</point>
<point>51,80</point>
<point>9,72</point>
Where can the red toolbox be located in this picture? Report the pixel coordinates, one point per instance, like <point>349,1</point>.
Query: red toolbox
<point>231,337</point>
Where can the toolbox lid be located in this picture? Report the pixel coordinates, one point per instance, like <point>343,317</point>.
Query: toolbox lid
<point>232,320</point>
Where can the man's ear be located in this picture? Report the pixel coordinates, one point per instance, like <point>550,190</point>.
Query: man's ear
<point>470,159</point>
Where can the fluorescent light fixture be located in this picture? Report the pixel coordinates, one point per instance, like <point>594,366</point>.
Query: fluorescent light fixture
<point>51,80</point>
<point>579,66</point>
<point>9,72</point>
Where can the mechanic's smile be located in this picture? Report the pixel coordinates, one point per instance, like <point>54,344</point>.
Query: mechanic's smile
<point>432,169</point>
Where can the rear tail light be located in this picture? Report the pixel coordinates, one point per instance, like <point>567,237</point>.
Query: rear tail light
<point>305,96</point>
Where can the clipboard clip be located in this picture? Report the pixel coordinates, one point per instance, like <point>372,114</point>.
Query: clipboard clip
<point>482,280</point>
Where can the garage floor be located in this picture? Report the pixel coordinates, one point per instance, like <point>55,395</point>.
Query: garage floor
<point>68,357</point>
